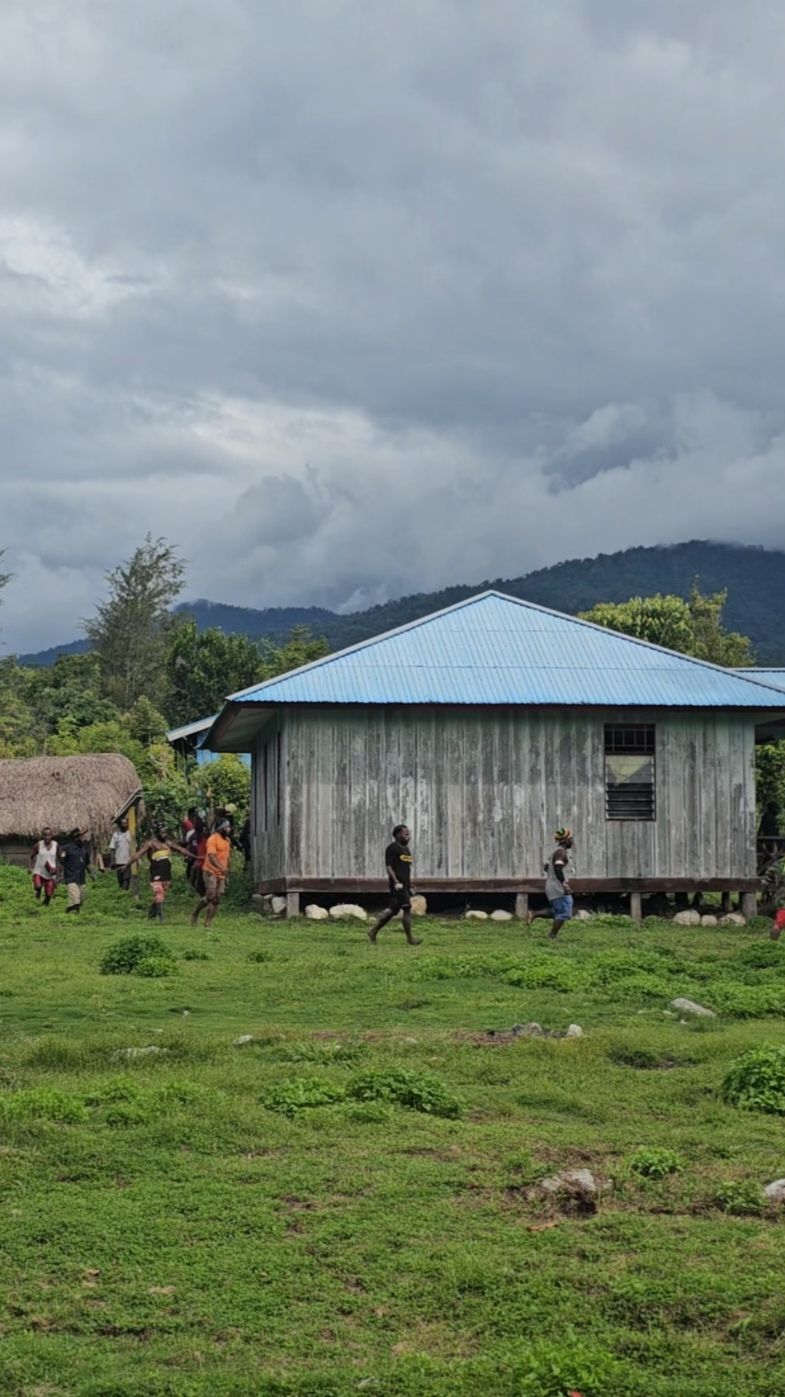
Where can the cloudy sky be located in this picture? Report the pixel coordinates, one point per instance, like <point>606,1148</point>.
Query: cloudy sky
<point>351,298</point>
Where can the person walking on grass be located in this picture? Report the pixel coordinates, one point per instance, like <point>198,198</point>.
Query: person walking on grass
<point>398,862</point>
<point>159,850</point>
<point>557,881</point>
<point>75,858</point>
<point>43,866</point>
<point>120,852</point>
<point>217,855</point>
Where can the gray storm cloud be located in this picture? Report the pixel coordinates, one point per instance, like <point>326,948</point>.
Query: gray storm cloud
<point>357,299</point>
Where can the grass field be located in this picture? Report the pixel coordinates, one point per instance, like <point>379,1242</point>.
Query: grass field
<point>350,1202</point>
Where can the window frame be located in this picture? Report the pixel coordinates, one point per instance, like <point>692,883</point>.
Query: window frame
<point>630,740</point>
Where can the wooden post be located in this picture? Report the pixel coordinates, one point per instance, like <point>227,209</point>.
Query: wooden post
<point>636,907</point>
<point>725,903</point>
<point>522,906</point>
<point>292,905</point>
<point>749,905</point>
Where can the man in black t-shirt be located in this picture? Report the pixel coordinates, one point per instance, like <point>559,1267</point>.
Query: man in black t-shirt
<point>398,861</point>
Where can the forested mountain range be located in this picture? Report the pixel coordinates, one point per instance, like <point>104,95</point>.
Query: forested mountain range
<point>753,577</point>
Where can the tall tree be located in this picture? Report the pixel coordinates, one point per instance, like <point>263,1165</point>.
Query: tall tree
<point>204,666</point>
<point>692,627</point>
<point>131,629</point>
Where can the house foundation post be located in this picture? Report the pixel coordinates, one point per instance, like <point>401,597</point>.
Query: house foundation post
<point>749,905</point>
<point>726,903</point>
<point>522,906</point>
<point>292,905</point>
<point>636,907</point>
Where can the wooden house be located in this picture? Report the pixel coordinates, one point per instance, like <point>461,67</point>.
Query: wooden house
<point>486,726</point>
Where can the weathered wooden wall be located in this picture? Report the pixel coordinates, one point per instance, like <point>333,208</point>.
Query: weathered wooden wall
<point>268,800</point>
<point>483,791</point>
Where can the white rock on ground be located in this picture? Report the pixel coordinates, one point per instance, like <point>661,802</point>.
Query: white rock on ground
<point>689,918</point>
<point>709,921</point>
<point>474,916</point>
<point>574,1031</point>
<point>581,915</point>
<point>314,913</point>
<point>419,905</point>
<point>277,906</point>
<point>348,909</point>
<point>242,1040</point>
<point>775,1192</point>
<point>582,1179</point>
<point>688,1006</point>
<point>501,916</point>
<point>733,919</point>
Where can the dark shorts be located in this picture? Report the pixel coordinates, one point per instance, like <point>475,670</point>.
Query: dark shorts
<point>561,908</point>
<point>402,901</point>
<point>123,872</point>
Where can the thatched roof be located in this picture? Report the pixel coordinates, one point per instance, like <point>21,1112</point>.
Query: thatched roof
<point>64,792</point>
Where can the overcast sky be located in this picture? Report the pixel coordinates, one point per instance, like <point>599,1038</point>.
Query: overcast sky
<point>351,298</point>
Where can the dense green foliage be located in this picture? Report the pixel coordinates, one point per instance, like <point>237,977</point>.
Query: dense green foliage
<point>270,1204</point>
<point>694,627</point>
<point>203,666</point>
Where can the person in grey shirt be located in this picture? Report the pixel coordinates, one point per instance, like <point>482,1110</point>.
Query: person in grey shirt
<point>120,850</point>
<point>557,881</point>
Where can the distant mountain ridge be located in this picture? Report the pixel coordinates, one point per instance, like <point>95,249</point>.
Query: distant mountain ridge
<point>754,578</point>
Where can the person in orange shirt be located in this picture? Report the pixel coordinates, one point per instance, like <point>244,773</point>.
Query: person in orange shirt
<point>216,871</point>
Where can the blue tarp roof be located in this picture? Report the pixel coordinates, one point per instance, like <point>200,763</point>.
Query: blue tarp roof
<point>495,649</point>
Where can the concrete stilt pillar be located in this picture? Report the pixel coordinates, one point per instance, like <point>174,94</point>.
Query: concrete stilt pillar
<point>636,907</point>
<point>749,905</point>
<point>522,906</point>
<point>292,905</point>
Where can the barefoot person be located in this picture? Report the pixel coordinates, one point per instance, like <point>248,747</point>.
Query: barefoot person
<point>398,861</point>
<point>217,856</point>
<point>557,882</point>
<point>120,854</point>
<point>43,866</point>
<point>75,858</point>
<point>159,852</point>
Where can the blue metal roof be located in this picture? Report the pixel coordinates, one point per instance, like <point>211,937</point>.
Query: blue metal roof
<point>495,649</point>
<point>775,678</point>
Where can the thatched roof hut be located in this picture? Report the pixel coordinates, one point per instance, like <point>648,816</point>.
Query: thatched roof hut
<point>64,792</point>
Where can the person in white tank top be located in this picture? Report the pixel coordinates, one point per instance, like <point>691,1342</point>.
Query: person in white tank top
<point>43,866</point>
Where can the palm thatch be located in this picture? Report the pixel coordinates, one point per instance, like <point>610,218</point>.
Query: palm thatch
<point>65,792</point>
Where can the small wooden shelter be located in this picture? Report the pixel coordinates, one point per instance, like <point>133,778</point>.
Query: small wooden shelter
<point>89,792</point>
<point>485,727</point>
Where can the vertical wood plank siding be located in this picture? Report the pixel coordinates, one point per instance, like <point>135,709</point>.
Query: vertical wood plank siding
<point>484,789</point>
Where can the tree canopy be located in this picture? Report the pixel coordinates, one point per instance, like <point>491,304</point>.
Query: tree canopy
<point>692,627</point>
<point>130,631</point>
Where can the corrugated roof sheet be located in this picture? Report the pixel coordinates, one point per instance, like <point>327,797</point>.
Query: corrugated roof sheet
<point>775,678</point>
<point>494,649</point>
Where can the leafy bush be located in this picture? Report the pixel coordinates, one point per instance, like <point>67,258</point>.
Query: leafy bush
<point>300,1094</point>
<point>642,986</point>
<point>747,1001</point>
<point>740,1197</point>
<point>259,957</point>
<point>114,1091</point>
<point>761,955</point>
<point>329,1052</point>
<point>756,1081</point>
<point>124,957</point>
<point>43,1103</point>
<point>156,967</point>
<point>546,972</point>
<point>192,954</point>
<point>610,967</point>
<point>415,1090</point>
<point>561,1367</point>
<point>655,1163</point>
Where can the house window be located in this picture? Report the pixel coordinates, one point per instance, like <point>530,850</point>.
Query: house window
<point>629,772</point>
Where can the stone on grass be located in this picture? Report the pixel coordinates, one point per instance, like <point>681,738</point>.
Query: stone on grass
<point>348,909</point>
<point>688,918</point>
<point>242,1040</point>
<point>578,1180</point>
<point>775,1192</point>
<point>688,1006</point>
<point>581,915</point>
<point>574,1031</point>
<point>528,1030</point>
<point>419,905</point>
<point>475,916</point>
<point>315,913</point>
<point>501,916</point>
<point>709,921</point>
<point>277,906</point>
<point>733,919</point>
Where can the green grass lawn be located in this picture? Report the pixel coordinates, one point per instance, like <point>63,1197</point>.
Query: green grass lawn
<point>350,1202</point>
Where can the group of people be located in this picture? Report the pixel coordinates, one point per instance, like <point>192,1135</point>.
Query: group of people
<point>206,844</point>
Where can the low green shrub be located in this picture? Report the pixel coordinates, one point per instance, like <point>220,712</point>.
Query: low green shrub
<point>740,1198</point>
<point>156,967</point>
<point>192,954</point>
<point>301,1094</point>
<point>44,1104</point>
<point>547,973</point>
<point>324,1052</point>
<point>756,1081</point>
<point>418,1091</point>
<point>740,1001</point>
<point>654,1163</point>
<point>125,956</point>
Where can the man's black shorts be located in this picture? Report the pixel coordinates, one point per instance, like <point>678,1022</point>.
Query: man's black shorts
<point>401,902</point>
